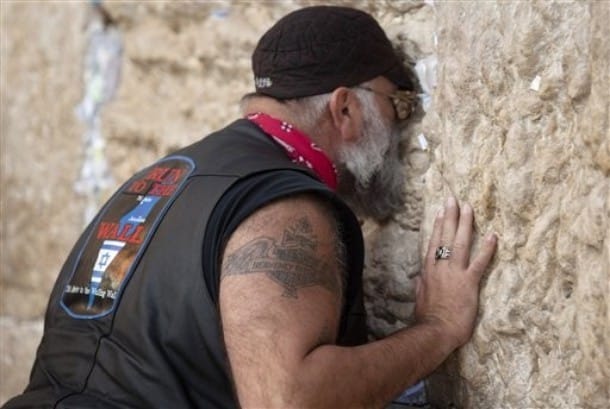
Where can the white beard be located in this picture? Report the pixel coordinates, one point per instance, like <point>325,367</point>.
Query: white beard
<point>371,176</point>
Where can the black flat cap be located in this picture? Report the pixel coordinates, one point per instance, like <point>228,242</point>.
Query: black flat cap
<point>316,49</point>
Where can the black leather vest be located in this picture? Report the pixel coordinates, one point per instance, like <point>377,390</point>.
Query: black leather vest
<point>130,321</point>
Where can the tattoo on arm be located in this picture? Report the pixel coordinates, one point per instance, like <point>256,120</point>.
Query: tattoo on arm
<point>292,262</point>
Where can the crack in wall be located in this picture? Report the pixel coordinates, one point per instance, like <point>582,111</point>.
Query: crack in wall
<point>101,77</point>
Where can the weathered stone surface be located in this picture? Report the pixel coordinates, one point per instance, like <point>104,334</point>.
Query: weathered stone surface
<point>185,69</point>
<point>534,163</point>
<point>42,49</point>
<point>18,343</point>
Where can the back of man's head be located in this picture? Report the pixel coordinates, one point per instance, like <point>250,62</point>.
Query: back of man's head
<point>314,50</point>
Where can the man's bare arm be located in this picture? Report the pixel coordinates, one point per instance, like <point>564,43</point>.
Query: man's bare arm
<point>280,300</point>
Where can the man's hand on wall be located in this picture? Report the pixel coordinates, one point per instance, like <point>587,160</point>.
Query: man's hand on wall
<point>448,289</point>
<point>280,302</point>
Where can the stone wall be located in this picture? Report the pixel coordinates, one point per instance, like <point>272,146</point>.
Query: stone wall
<point>41,66</point>
<point>518,125</point>
<point>522,131</point>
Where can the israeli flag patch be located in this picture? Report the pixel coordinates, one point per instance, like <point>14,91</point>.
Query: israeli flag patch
<point>119,237</point>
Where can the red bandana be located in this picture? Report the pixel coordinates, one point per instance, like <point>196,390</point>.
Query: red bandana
<point>298,146</point>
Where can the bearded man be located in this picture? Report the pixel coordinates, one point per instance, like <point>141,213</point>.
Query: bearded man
<point>229,273</point>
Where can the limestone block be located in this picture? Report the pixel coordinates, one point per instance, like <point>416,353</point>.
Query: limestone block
<point>18,343</point>
<point>521,131</point>
<point>185,69</point>
<point>42,51</point>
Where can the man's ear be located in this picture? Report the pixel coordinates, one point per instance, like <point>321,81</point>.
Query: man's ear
<point>346,113</point>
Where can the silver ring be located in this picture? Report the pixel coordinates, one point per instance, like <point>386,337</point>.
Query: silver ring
<point>442,253</point>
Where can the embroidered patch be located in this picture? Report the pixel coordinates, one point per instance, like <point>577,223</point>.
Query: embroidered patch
<point>120,235</point>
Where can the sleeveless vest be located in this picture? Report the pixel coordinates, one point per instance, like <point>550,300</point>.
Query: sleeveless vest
<point>131,321</point>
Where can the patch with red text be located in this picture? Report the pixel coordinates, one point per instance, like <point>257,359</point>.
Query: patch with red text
<point>120,235</point>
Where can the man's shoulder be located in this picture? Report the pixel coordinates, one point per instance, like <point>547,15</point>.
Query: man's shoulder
<point>293,241</point>
<point>273,216</point>
<point>241,148</point>
<point>239,129</point>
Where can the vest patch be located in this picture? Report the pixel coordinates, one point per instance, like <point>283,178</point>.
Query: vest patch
<point>120,235</point>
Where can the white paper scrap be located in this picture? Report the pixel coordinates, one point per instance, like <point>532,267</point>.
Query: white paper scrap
<point>426,72</point>
<point>423,142</point>
<point>535,85</point>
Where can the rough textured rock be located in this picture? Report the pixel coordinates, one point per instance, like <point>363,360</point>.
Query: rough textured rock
<point>533,159</point>
<point>42,46</point>
<point>41,71</point>
<point>534,163</point>
<point>18,342</point>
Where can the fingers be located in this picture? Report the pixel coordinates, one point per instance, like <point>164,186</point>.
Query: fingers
<point>481,261</point>
<point>450,222</point>
<point>463,237</point>
<point>453,227</point>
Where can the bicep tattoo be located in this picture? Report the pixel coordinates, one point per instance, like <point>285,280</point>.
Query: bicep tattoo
<point>294,261</point>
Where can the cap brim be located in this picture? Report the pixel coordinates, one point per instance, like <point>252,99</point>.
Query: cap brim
<point>400,77</point>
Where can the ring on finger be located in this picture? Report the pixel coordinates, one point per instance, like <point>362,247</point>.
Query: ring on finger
<point>442,253</point>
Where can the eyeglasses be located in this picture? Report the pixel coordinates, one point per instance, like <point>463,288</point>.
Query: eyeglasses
<point>403,101</point>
